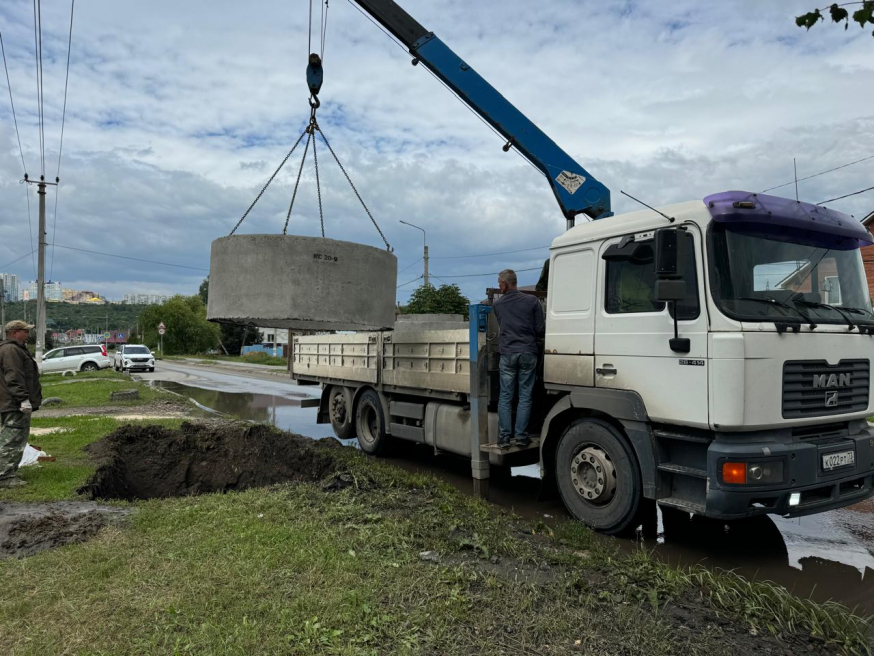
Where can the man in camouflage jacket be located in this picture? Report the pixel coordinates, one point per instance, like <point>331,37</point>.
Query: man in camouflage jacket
<point>20,395</point>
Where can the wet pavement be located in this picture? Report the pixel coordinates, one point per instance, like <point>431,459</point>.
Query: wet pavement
<point>825,556</point>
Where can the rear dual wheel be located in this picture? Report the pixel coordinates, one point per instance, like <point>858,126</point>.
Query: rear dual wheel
<point>598,477</point>
<point>340,412</point>
<point>370,424</point>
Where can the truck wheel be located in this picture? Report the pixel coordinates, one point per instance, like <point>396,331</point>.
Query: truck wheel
<point>341,413</point>
<point>370,424</point>
<point>89,366</point>
<point>598,477</point>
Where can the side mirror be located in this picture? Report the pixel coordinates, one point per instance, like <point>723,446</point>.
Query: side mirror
<point>670,286</point>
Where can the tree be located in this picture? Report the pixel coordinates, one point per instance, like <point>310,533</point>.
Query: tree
<point>188,331</point>
<point>427,299</point>
<point>233,336</point>
<point>837,12</point>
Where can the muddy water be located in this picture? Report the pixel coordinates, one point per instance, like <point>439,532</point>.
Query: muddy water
<point>826,556</point>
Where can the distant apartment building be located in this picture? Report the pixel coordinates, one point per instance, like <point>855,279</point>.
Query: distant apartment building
<point>146,299</point>
<point>11,287</point>
<point>53,291</point>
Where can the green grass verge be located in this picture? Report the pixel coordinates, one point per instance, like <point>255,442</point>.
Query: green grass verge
<point>249,358</point>
<point>93,389</point>
<point>296,569</point>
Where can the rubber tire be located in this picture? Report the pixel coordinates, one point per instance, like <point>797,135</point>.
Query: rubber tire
<point>371,439</point>
<point>622,513</point>
<point>151,370</point>
<point>346,430</point>
<point>89,366</point>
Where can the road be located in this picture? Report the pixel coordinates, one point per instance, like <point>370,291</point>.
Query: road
<point>827,556</point>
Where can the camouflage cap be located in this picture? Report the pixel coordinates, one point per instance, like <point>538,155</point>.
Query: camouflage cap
<point>18,324</point>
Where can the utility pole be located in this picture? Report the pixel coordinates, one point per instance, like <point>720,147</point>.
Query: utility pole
<point>426,277</point>
<point>41,265</point>
<point>2,307</point>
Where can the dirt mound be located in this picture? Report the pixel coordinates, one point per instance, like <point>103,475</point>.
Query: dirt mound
<point>28,528</point>
<point>148,462</point>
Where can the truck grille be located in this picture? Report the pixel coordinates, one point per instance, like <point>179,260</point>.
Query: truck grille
<point>813,388</point>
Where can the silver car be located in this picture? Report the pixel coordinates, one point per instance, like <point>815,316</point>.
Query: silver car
<point>130,357</point>
<point>75,358</point>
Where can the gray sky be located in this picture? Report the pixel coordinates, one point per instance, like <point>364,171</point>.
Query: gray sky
<point>178,112</point>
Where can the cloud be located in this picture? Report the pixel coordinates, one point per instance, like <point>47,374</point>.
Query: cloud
<point>178,112</point>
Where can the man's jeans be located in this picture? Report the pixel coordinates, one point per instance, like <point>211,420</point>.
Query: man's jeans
<point>521,367</point>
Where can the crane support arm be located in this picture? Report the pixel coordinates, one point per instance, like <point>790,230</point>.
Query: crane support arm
<point>575,189</point>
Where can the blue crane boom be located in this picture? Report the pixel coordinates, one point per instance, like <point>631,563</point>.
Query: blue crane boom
<point>575,189</point>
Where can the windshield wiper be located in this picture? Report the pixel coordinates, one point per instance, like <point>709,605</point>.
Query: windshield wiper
<point>800,300</point>
<point>781,305</point>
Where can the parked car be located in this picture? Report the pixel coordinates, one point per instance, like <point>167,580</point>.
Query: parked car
<point>129,357</point>
<point>76,358</point>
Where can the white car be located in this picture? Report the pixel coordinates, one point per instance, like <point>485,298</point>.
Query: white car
<point>75,358</point>
<point>129,357</point>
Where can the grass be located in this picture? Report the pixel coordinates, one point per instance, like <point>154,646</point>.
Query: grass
<point>250,358</point>
<point>96,389</point>
<point>296,569</point>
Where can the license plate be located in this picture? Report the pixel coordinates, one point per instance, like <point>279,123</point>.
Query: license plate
<point>839,459</point>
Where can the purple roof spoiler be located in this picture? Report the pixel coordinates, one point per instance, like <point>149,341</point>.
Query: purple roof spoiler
<point>783,219</point>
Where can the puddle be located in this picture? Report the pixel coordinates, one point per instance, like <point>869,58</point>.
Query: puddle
<point>283,411</point>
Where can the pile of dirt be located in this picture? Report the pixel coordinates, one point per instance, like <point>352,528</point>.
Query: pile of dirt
<point>28,528</point>
<point>149,462</point>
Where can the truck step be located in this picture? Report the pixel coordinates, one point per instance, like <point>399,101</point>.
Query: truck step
<point>682,470</point>
<point>493,447</point>
<point>683,437</point>
<point>681,504</point>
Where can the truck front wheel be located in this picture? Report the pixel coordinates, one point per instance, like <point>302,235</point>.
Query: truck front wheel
<point>598,476</point>
<point>340,411</point>
<point>370,424</point>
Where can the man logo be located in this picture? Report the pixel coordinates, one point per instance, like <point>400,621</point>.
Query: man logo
<point>832,380</point>
<point>831,399</point>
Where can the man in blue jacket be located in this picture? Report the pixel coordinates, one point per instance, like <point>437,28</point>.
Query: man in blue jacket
<point>520,317</point>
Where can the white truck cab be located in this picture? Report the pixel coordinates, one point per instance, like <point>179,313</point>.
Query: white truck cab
<point>712,356</point>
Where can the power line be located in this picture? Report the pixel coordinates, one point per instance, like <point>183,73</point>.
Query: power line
<point>461,257</point>
<point>413,280</point>
<point>30,228</point>
<point>37,55</point>
<point>411,266</point>
<point>447,283</point>
<point>135,259</point>
<point>11,102</point>
<point>855,193</point>
<point>479,275</point>
<point>61,146</point>
<point>815,175</point>
<point>8,264</point>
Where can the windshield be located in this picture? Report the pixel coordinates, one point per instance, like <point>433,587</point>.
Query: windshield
<point>755,279</point>
<point>136,350</point>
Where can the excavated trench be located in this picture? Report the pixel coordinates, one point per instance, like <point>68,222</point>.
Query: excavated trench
<point>153,462</point>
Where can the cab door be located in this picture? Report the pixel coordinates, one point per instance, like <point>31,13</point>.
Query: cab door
<point>632,331</point>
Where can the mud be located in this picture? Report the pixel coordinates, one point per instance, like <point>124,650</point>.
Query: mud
<point>152,462</point>
<point>28,528</point>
